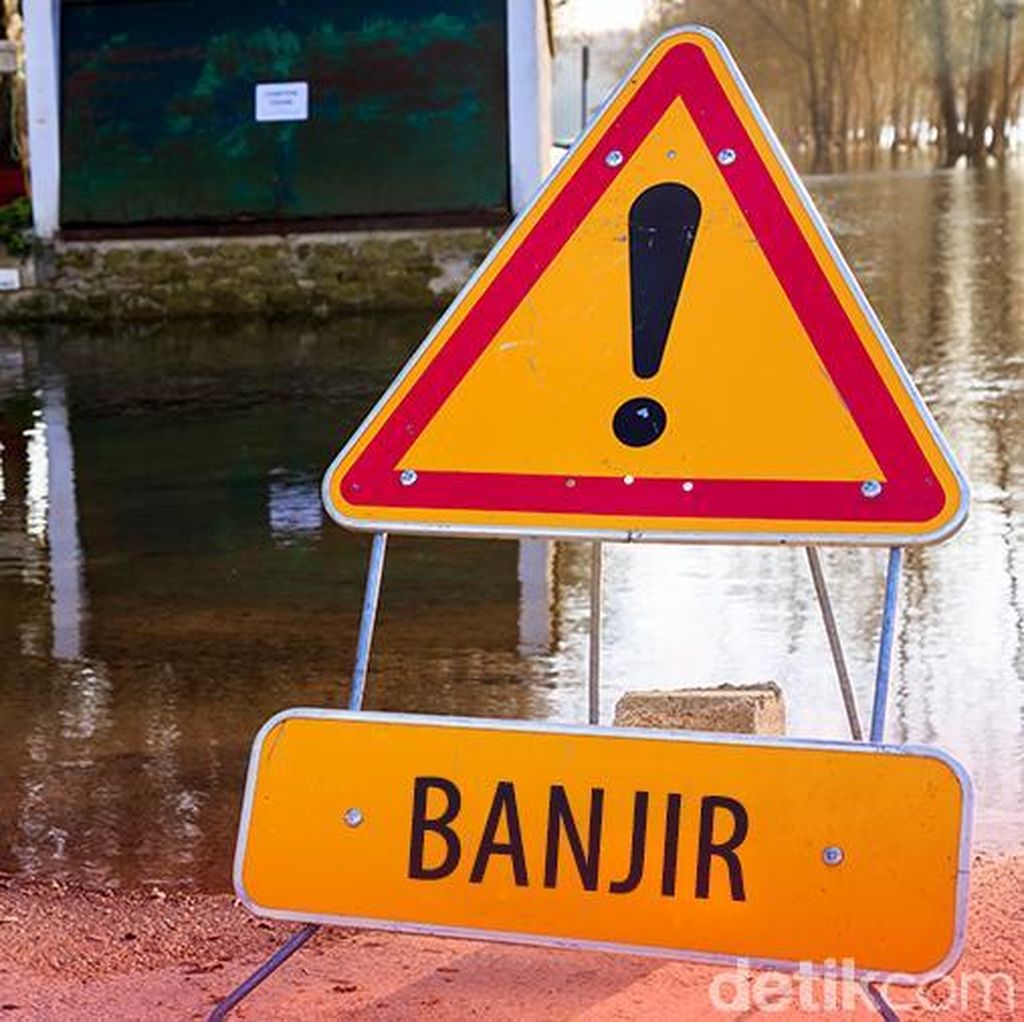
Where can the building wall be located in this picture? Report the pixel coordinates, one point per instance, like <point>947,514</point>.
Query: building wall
<point>268,273</point>
<point>284,275</point>
<point>195,112</point>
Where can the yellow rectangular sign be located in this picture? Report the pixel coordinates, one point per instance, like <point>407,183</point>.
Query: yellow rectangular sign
<point>682,845</point>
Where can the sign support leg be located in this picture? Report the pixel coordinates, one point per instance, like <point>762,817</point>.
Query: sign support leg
<point>594,665</point>
<point>845,686</point>
<point>881,1005</point>
<point>371,598</point>
<point>357,693</point>
<point>271,965</point>
<point>892,588</point>
<point>892,580</point>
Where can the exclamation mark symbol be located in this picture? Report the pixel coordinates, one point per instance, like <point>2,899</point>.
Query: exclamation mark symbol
<point>663,223</point>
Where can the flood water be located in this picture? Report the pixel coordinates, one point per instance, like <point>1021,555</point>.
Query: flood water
<point>168,580</point>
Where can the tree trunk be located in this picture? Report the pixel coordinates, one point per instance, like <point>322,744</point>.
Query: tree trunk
<point>1002,122</point>
<point>980,80</point>
<point>15,32</point>
<point>937,28</point>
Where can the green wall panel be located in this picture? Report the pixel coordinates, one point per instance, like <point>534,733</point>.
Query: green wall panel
<point>407,110</point>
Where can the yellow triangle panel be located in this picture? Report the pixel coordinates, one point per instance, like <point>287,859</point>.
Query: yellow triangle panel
<point>666,345</point>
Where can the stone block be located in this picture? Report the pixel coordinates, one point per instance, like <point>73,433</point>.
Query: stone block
<point>737,709</point>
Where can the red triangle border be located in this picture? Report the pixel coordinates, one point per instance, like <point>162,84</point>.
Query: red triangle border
<point>911,492</point>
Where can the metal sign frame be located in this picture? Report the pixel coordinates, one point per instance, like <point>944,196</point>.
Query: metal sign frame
<point>895,543</point>
<point>357,692</point>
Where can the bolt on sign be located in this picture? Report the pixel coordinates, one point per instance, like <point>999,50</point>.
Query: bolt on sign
<point>640,841</point>
<point>666,345</point>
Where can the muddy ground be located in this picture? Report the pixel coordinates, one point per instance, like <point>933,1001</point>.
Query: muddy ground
<point>73,954</point>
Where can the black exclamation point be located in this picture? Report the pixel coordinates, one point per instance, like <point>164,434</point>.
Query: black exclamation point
<point>663,223</point>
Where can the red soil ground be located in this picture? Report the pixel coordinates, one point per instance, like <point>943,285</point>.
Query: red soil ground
<point>72,954</point>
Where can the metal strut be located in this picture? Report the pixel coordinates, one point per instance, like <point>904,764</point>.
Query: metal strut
<point>594,664</point>
<point>892,591</point>
<point>271,965</point>
<point>834,643</point>
<point>357,693</point>
<point>371,599</point>
<point>881,696</point>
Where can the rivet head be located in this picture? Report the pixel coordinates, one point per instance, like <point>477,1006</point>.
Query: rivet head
<point>614,158</point>
<point>671,154</point>
<point>871,488</point>
<point>832,855</point>
<point>628,480</point>
<point>570,483</point>
<point>353,816</point>
<point>726,156</point>
<point>408,477</point>
<point>687,487</point>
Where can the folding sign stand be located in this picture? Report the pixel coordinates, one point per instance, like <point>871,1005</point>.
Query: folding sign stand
<point>356,696</point>
<point>665,346</point>
<point>357,692</point>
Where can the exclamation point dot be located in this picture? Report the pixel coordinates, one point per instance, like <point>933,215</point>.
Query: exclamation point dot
<point>639,421</point>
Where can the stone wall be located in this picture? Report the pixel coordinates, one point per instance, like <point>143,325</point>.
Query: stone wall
<point>268,275</point>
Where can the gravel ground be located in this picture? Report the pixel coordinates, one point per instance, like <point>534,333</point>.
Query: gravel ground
<point>67,953</point>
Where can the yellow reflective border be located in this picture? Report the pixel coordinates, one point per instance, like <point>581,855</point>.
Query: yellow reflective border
<point>664,843</point>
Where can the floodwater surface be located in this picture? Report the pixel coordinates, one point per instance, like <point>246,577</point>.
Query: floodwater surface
<point>168,579</point>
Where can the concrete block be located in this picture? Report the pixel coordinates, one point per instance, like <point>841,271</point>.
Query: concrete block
<point>737,709</point>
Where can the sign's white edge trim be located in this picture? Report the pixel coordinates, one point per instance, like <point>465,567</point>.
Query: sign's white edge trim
<point>492,724</point>
<point>640,535</point>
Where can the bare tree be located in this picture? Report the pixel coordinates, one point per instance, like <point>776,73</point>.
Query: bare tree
<point>839,75</point>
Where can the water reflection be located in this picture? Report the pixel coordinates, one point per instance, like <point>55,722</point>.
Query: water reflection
<point>294,509</point>
<point>168,580</point>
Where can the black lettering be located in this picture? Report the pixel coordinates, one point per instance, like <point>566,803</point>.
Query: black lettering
<point>438,825</point>
<point>638,847</point>
<point>504,804</point>
<point>670,861</point>
<point>725,850</point>
<point>559,817</point>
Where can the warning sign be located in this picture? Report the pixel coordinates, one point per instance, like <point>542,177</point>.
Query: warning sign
<point>666,345</point>
<point>665,843</point>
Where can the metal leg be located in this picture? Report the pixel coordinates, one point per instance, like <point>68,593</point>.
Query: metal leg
<point>878,1000</point>
<point>594,669</point>
<point>271,965</point>
<point>892,588</point>
<point>371,599</point>
<point>849,699</point>
<point>881,1005</point>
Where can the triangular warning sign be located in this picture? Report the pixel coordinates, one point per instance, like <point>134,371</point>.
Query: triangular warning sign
<point>666,344</point>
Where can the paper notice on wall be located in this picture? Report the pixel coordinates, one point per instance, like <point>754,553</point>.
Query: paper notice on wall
<point>282,101</point>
